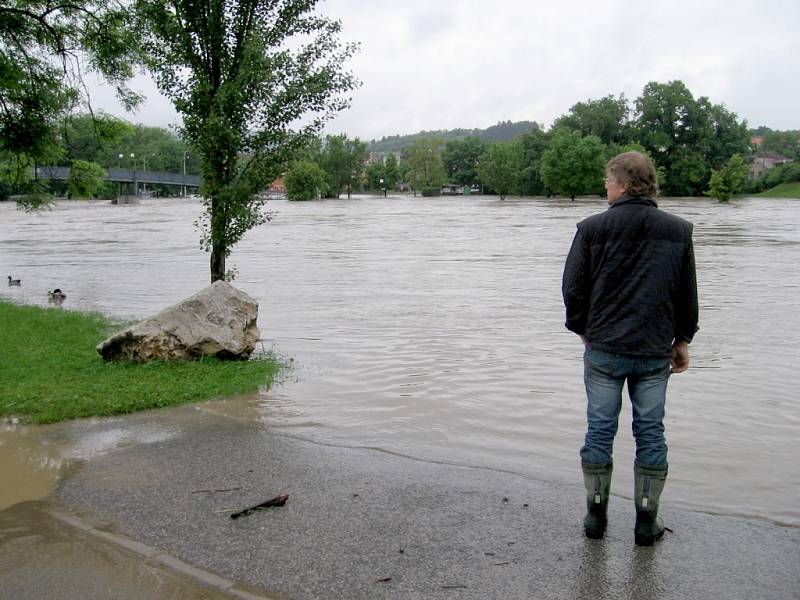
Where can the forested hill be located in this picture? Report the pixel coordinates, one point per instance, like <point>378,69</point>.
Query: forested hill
<point>504,131</point>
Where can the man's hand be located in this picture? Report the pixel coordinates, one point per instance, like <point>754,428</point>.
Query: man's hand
<point>679,359</point>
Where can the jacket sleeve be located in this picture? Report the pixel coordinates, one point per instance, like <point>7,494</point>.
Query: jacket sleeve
<point>686,307</point>
<point>576,286</point>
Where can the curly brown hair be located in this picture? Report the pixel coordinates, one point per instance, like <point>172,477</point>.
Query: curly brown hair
<point>635,172</point>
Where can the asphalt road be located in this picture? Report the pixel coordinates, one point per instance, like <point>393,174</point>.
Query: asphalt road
<point>364,524</point>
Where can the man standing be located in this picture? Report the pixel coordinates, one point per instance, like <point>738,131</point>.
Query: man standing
<point>630,292</point>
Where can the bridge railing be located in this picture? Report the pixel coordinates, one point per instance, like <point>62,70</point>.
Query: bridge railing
<point>127,176</point>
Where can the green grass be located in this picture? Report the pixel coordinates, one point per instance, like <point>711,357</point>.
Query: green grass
<point>50,370</point>
<point>784,190</point>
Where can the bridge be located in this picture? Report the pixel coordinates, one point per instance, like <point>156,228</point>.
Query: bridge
<point>133,176</point>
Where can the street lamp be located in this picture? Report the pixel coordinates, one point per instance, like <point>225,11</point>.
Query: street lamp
<point>185,154</point>
<point>135,183</point>
<point>383,188</point>
<point>144,162</point>
<point>119,183</point>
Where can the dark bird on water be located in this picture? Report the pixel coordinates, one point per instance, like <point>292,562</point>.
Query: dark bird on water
<point>56,296</point>
<point>14,281</point>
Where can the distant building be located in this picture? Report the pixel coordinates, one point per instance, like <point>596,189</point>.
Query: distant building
<point>756,141</point>
<point>374,157</point>
<point>764,161</point>
<point>277,186</point>
<point>380,158</point>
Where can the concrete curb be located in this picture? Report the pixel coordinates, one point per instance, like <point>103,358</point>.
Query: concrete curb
<point>156,556</point>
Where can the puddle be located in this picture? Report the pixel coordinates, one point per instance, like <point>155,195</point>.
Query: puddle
<point>30,464</point>
<point>34,458</point>
<point>39,555</point>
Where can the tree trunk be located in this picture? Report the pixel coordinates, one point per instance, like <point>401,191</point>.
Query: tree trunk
<point>217,263</point>
<point>219,247</point>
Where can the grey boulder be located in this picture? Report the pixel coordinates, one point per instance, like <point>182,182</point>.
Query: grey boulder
<point>217,321</point>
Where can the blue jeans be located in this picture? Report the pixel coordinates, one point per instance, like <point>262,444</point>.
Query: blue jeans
<point>604,375</point>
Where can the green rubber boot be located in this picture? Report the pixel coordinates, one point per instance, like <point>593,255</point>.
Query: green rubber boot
<point>648,485</point>
<point>597,481</point>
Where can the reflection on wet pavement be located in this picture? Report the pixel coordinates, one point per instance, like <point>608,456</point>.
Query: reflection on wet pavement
<point>34,458</point>
<point>41,557</point>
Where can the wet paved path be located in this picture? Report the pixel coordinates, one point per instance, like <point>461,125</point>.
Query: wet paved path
<point>365,524</point>
<point>44,556</point>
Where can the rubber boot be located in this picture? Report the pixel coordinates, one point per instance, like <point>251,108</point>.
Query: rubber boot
<point>648,484</point>
<point>597,481</point>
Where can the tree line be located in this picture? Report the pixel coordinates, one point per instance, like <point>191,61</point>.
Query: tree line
<point>687,138</point>
<point>697,147</point>
<point>502,131</point>
<point>567,160</point>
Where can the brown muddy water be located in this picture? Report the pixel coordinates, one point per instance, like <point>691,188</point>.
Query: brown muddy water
<point>433,328</point>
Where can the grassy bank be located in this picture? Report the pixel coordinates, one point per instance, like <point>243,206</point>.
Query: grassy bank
<point>50,370</point>
<point>784,190</point>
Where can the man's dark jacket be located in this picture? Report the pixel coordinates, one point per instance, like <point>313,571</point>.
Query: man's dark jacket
<point>629,282</point>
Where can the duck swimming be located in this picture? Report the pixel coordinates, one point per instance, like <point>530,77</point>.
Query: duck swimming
<point>14,281</point>
<point>56,296</point>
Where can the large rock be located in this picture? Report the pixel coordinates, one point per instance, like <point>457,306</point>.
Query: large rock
<point>217,321</point>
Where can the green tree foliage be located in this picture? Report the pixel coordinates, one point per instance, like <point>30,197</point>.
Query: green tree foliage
<point>403,170</point>
<point>163,148</point>
<point>384,175</point>
<point>45,47</point>
<point>532,145</point>
<point>607,118</point>
<point>725,136</point>
<point>17,178</point>
<point>500,166</point>
<point>461,159</point>
<point>686,172</point>
<point>102,138</point>
<point>374,176</point>
<point>573,165</point>
<point>504,131</point>
<point>342,159</point>
<point>426,167</point>
<point>242,73</point>
<point>686,137</point>
<point>787,173</point>
<point>669,124</point>
<point>305,180</point>
<point>86,179</point>
<point>391,172</point>
<point>95,138</point>
<point>729,180</point>
<point>41,42</point>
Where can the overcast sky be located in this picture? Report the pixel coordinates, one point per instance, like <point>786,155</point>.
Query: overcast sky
<point>442,64</point>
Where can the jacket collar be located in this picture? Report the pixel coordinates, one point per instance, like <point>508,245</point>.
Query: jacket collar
<point>635,200</point>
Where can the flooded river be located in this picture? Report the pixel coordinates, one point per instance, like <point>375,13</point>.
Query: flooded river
<point>433,328</point>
